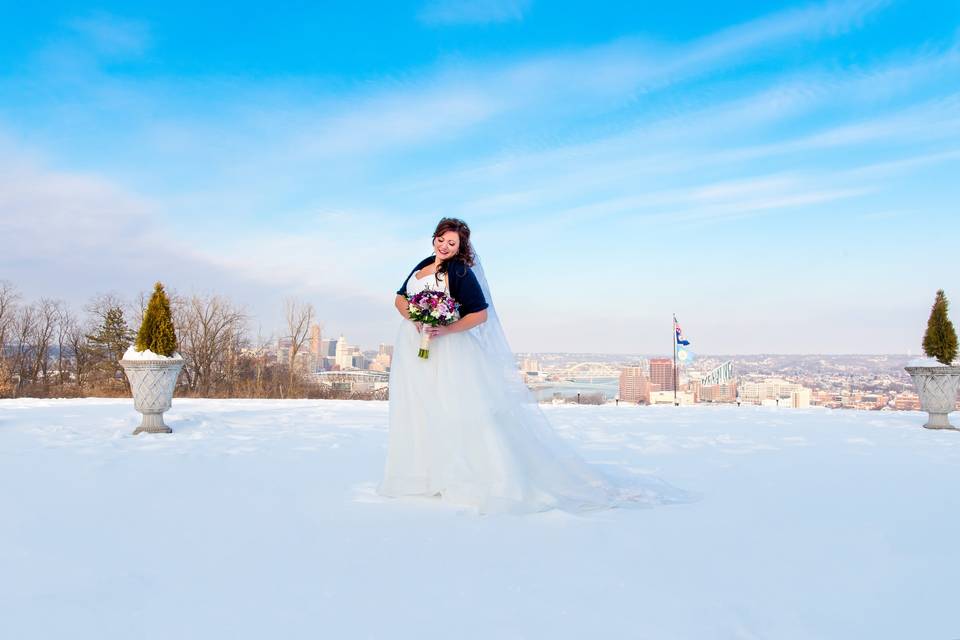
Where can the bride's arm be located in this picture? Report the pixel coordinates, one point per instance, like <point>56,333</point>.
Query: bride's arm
<point>465,323</point>
<point>404,308</point>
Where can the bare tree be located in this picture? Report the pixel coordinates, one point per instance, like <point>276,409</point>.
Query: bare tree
<point>64,320</point>
<point>103,305</point>
<point>137,308</point>
<point>48,312</point>
<point>23,330</point>
<point>233,359</point>
<point>8,306</point>
<point>254,365</point>
<point>299,320</point>
<point>209,329</point>
<point>77,344</point>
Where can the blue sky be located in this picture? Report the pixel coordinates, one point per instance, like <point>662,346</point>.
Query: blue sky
<point>783,177</point>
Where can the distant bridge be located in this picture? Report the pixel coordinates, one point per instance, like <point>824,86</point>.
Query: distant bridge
<point>587,372</point>
<point>344,379</point>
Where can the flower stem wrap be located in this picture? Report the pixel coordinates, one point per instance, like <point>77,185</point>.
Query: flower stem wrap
<point>424,345</point>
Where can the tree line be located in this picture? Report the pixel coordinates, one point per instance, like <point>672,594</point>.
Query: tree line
<point>48,349</point>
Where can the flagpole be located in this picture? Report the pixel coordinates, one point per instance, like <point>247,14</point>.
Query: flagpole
<point>675,403</point>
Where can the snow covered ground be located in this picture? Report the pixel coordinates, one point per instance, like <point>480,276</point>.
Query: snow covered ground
<point>258,519</point>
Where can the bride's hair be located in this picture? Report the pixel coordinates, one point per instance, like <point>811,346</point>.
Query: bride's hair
<point>465,254</point>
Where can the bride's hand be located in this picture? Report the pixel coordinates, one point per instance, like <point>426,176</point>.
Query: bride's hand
<point>438,331</point>
<point>418,326</point>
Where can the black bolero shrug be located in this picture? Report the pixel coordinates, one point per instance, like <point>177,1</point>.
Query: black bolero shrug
<point>464,287</point>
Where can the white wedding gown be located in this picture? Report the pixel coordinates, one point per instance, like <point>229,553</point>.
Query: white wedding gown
<point>458,434</point>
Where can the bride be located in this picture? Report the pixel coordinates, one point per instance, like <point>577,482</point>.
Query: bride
<point>463,426</point>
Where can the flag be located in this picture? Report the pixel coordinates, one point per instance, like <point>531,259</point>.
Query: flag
<point>681,348</point>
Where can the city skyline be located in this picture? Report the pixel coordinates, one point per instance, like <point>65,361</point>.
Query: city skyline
<point>779,175</point>
<point>875,382</point>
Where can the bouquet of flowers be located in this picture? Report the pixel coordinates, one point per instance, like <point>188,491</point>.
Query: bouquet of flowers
<point>431,308</point>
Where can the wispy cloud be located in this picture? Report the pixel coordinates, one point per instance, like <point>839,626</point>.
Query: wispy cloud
<point>460,97</point>
<point>454,100</point>
<point>740,133</point>
<point>826,19</point>
<point>696,205</point>
<point>457,103</point>
<point>457,12</point>
<point>414,116</point>
<point>112,35</point>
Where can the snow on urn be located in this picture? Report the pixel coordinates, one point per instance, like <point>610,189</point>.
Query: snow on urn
<point>937,380</point>
<point>152,364</point>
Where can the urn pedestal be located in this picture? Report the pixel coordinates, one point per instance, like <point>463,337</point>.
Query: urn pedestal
<point>152,382</point>
<point>937,388</point>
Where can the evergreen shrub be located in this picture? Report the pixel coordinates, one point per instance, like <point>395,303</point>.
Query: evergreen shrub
<point>940,340</point>
<point>157,332</point>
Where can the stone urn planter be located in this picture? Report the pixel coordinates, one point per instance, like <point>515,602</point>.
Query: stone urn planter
<point>937,388</point>
<point>152,382</point>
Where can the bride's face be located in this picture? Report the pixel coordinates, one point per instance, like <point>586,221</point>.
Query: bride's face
<point>447,245</point>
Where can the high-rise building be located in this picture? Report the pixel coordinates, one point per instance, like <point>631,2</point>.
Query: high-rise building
<point>661,373</point>
<point>385,350</point>
<point>725,392</point>
<point>328,347</point>
<point>634,385</point>
<point>347,356</point>
<point>344,358</point>
<point>315,341</point>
